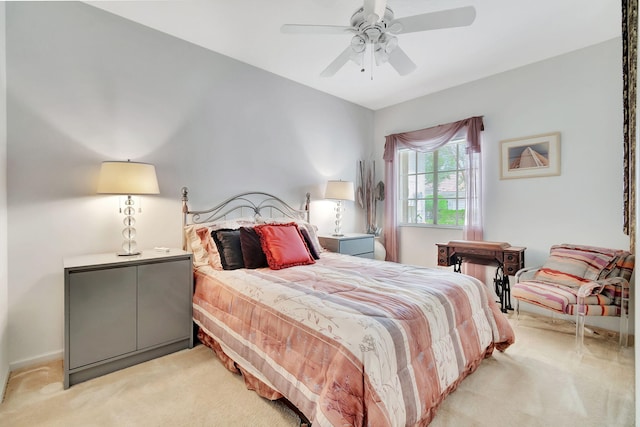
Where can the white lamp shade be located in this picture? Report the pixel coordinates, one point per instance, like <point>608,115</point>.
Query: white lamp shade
<point>339,190</point>
<point>127,178</point>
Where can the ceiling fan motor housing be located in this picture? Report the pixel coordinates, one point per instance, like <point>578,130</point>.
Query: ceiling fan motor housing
<point>364,24</point>
<point>372,30</point>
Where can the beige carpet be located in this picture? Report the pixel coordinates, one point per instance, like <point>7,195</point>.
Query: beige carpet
<point>539,381</point>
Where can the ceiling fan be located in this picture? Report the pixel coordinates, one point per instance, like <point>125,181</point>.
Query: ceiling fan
<point>374,28</point>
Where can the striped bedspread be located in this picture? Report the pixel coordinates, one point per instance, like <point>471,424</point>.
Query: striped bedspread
<point>352,341</point>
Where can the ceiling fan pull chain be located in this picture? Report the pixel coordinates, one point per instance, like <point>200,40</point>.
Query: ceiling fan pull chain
<point>371,67</point>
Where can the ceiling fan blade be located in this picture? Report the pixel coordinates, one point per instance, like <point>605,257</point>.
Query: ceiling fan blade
<point>315,29</point>
<point>459,17</point>
<point>401,62</point>
<point>337,63</point>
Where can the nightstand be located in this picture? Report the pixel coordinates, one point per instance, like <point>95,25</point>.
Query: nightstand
<point>120,311</point>
<point>360,245</point>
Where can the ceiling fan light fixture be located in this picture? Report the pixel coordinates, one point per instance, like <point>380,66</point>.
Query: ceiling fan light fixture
<point>358,43</point>
<point>380,55</point>
<point>357,57</point>
<point>384,47</point>
<point>395,28</point>
<point>373,34</point>
<point>389,43</point>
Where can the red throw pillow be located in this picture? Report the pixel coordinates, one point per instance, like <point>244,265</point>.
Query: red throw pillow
<point>283,245</point>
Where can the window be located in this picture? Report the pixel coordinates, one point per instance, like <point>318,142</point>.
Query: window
<point>431,186</point>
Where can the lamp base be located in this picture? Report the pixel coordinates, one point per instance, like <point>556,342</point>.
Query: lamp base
<point>337,232</point>
<point>129,246</point>
<point>128,253</point>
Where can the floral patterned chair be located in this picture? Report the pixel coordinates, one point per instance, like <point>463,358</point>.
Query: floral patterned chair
<point>580,281</point>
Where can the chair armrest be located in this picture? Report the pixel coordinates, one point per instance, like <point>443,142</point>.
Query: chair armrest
<point>596,286</point>
<point>525,273</point>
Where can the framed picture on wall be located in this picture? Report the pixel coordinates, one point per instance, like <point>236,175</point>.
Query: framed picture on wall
<point>529,157</point>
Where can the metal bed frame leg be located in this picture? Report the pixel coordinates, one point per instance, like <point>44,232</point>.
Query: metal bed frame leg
<point>304,421</point>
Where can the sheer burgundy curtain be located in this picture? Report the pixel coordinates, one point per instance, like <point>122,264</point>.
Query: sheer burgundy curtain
<point>431,139</point>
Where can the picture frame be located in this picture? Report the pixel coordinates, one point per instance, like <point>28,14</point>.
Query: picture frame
<point>531,156</point>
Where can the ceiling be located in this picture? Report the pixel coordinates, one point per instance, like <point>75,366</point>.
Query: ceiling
<point>505,34</point>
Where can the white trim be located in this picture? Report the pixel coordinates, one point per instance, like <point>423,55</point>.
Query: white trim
<point>4,381</point>
<point>421,225</point>
<point>47,357</point>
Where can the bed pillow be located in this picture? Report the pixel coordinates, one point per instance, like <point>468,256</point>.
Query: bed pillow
<point>312,231</point>
<point>307,239</point>
<point>201,245</point>
<point>194,245</point>
<point>228,244</point>
<point>573,265</point>
<point>252,253</point>
<point>313,243</point>
<point>283,245</point>
<point>209,246</point>
<point>232,224</point>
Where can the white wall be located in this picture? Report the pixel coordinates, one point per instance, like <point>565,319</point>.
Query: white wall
<point>86,86</point>
<point>579,95</point>
<point>4,292</point>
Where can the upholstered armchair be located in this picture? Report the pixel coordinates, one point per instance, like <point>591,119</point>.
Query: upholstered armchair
<point>580,281</point>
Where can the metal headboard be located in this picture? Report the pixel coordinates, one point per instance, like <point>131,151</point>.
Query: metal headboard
<point>259,204</point>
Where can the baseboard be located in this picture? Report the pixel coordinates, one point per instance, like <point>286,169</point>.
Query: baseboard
<point>47,357</point>
<point>84,373</point>
<point>4,380</point>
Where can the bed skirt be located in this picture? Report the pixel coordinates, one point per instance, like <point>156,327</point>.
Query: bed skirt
<point>250,381</point>
<point>269,393</point>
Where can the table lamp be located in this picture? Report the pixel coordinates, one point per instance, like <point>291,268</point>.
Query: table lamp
<point>127,179</point>
<point>339,191</point>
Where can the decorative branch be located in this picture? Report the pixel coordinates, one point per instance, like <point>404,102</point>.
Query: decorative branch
<point>368,195</point>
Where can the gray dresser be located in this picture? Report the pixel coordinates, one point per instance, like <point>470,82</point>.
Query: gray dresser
<point>120,311</point>
<point>350,244</point>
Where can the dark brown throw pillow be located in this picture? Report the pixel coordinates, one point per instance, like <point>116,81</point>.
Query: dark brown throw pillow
<point>252,253</point>
<point>228,244</point>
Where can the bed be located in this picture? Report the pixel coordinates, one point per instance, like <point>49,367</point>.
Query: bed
<point>345,340</point>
